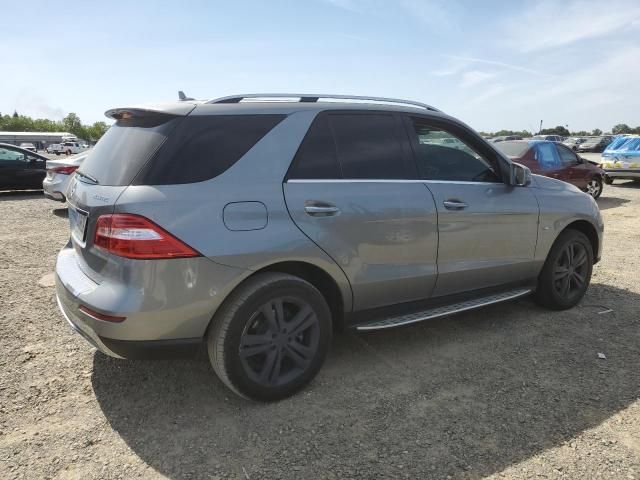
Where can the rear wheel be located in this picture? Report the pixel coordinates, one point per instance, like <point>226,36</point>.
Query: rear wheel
<point>567,271</point>
<point>271,337</point>
<point>608,180</point>
<point>594,187</point>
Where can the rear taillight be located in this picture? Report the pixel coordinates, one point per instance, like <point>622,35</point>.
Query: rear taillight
<point>134,236</point>
<point>65,170</point>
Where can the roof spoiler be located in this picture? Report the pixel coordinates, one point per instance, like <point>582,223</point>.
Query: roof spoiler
<point>170,109</point>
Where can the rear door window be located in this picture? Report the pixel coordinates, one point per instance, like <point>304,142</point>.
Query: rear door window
<point>547,156</point>
<point>368,146</point>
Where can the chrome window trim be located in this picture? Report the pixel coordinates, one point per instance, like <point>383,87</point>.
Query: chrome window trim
<point>366,180</point>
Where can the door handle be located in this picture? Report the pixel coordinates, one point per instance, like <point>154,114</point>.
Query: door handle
<point>454,205</point>
<point>321,209</point>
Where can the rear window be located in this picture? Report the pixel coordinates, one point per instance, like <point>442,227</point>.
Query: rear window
<point>126,147</point>
<point>203,147</point>
<point>368,146</point>
<point>513,149</point>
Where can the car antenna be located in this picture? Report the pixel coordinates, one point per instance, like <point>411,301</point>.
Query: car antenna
<point>182,97</point>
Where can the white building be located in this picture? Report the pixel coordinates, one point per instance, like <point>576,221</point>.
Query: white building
<point>40,139</point>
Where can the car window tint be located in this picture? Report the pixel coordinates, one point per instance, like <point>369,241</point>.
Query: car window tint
<point>547,156</point>
<point>10,155</point>
<point>203,147</point>
<point>368,146</point>
<point>316,157</point>
<point>441,155</point>
<point>567,157</point>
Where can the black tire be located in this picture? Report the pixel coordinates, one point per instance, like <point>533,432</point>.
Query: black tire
<point>608,180</point>
<point>242,345</point>
<point>595,187</point>
<point>552,291</point>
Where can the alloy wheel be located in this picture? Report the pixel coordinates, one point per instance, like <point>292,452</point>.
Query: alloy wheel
<point>279,341</point>
<point>570,270</point>
<point>594,187</point>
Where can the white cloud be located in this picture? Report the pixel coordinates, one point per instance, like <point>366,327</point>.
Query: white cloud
<point>474,77</point>
<point>496,63</point>
<point>549,24</point>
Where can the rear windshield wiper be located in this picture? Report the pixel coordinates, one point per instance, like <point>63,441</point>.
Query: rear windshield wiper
<point>88,177</point>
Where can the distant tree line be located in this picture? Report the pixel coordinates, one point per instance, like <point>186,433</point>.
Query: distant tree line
<point>71,123</point>
<point>560,130</point>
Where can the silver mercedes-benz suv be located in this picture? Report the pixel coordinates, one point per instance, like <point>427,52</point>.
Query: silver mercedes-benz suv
<point>259,224</point>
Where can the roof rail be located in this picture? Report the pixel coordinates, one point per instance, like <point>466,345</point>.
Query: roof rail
<point>312,98</point>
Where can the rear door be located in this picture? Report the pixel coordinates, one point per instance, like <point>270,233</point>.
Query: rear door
<point>487,229</point>
<point>352,190</point>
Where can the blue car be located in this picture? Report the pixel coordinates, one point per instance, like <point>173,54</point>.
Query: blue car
<point>621,159</point>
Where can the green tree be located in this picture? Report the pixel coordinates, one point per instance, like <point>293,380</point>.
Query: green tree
<point>596,132</point>
<point>559,130</point>
<point>95,131</point>
<point>72,124</point>
<point>621,128</point>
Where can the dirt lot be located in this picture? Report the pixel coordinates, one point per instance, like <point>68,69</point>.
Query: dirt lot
<point>511,391</point>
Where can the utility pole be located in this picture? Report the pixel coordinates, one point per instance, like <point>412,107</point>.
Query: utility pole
<point>540,129</point>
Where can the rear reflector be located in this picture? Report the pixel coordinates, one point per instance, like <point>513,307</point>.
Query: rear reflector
<point>101,316</point>
<point>65,170</point>
<point>134,236</point>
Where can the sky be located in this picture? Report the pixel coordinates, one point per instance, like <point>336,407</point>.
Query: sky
<point>492,64</point>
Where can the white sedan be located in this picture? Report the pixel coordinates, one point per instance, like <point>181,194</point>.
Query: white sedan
<point>59,172</point>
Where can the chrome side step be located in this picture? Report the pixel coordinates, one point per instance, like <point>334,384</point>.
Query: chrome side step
<point>444,310</point>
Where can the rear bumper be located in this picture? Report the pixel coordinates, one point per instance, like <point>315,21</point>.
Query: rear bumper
<point>130,349</point>
<point>55,188</point>
<point>166,314</point>
<point>621,173</point>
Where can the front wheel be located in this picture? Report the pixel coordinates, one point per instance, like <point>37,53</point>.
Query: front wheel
<point>594,187</point>
<point>567,271</point>
<point>270,337</point>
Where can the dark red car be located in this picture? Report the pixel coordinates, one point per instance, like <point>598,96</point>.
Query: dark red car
<point>556,161</point>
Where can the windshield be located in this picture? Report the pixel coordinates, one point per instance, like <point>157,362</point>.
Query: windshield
<point>513,149</point>
<point>593,140</point>
<point>125,148</point>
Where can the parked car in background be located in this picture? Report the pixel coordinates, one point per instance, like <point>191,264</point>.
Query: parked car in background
<point>69,148</point>
<point>623,161</point>
<point>558,161</point>
<point>29,146</point>
<point>58,174</point>
<point>53,148</point>
<point>549,138</point>
<point>573,142</point>
<point>258,228</point>
<point>506,138</point>
<point>595,144</point>
<point>20,168</point>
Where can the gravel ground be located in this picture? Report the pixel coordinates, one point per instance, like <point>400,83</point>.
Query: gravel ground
<point>511,391</point>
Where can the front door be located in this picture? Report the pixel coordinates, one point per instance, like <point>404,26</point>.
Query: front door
<point>487,229</point>
<point>352,190</point>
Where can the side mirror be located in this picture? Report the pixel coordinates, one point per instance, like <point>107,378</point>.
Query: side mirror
<point>520,175</point>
